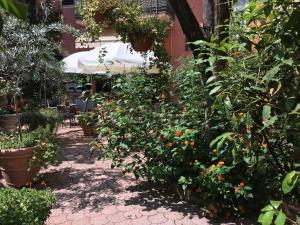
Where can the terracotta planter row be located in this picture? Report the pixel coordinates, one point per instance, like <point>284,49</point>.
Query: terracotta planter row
<point>14,164</point>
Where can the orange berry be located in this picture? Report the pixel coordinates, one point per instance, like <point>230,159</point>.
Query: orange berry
<point>213,166</point>
<point>186,142</point>
<point>221,163</point>
<point>242,184</point>
<point>236,190</point>
<point>178,133</point>
<point>196,161</point>
<point>110,132</point>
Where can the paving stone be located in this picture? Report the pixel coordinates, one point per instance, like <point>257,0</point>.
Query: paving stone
<point>141,221</point>
<point>108,210</point>
<point>76,216</point>
<point>174,215</point>
<point>132,214</point>
<point>84,221</point>
<point>99,220</point>
<point>58,219</point>
<point>116,218</point>
<point>157,218</point>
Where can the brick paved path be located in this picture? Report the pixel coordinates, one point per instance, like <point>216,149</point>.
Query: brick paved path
<point>89,192</point>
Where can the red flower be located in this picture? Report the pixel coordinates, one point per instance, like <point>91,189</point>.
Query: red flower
<point>19,110</point>
<point>178,133</point>
<point>12,106</point>
<point>221,163</point>
<point>26,105</point>
<point>22,101</point>
<point>242,184</point>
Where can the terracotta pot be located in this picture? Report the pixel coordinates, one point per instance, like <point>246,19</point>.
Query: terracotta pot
<point>9,122</point>
<point>88,130</point>
<point>14,165</point>
<point>141,42</point>
<point>3,99</point>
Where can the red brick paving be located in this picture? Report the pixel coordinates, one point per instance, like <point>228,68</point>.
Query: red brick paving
<point>89,192</point>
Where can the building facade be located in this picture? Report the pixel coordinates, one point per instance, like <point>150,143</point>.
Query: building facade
<point>175,42</point>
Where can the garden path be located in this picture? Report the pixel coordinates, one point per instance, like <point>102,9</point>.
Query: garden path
<point>89,192</point>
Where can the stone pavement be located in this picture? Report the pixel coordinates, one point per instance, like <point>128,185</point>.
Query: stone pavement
<point>89,192</point>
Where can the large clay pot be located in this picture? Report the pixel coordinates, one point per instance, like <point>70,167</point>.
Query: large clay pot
<point>141,42</point>
<point>88,130</point>
<point>14,164</point>
<point>3,99</point>
<point>8,122</point>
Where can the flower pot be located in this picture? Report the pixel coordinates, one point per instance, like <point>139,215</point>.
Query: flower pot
<point>88,130</point>
<point>14,165</point>
<point>141,42</point>
<point>8,122</point>
<point>3,99</point>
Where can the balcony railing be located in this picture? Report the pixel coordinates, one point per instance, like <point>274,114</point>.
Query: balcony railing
<point>154,6</point>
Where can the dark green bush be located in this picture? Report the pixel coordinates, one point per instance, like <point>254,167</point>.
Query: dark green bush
<point>41,118</point>
<point>25,206</point>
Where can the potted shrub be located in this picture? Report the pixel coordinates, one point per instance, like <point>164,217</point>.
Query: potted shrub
<point>87,121</point>
<point>21,159</point>
<point>25,206</point>
<point>9,115</point>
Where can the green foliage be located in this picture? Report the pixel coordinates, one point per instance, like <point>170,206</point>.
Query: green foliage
<point>25,206</point>
<point>42,137</point>
<point>43,118</point>
<point>275,211</point>
<point>243,120</point>
<point>87,118</point>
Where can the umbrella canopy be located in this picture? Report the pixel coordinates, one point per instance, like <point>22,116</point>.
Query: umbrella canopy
<point>71,63</point>
<point>116,57</point>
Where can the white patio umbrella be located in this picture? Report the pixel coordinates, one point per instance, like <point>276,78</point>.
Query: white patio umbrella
<point>71,63</point>
<point>118,58</point>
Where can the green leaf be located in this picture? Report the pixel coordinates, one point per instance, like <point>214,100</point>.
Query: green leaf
<point>280,219</point>
<point>266,113</point>
<point>271,73</point>
<point>266,218</point>
<point>220,139</point>
<point>215,90</point>
<point>289,182</point>
<point>275,204</point>
<point>267,208</point>
<point>15,7</point>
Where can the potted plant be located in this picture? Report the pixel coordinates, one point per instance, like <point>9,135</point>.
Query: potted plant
<point>21,159</point>
<point>9,114</point>
<point>142,32</point>
<point>87,121</point>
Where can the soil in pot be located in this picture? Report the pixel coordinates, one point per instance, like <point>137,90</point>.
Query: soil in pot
<point>8,122</point>
<point>14,164</point>
<point>141,42</point>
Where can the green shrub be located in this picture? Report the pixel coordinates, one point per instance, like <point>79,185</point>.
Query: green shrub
<point>87,118</point>
<point>43,118</point>
<point>25,206</point>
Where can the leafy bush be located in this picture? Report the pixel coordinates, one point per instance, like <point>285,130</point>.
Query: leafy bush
<point>25,206</point>
<point>43,118</point>
<point>230,135</point>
